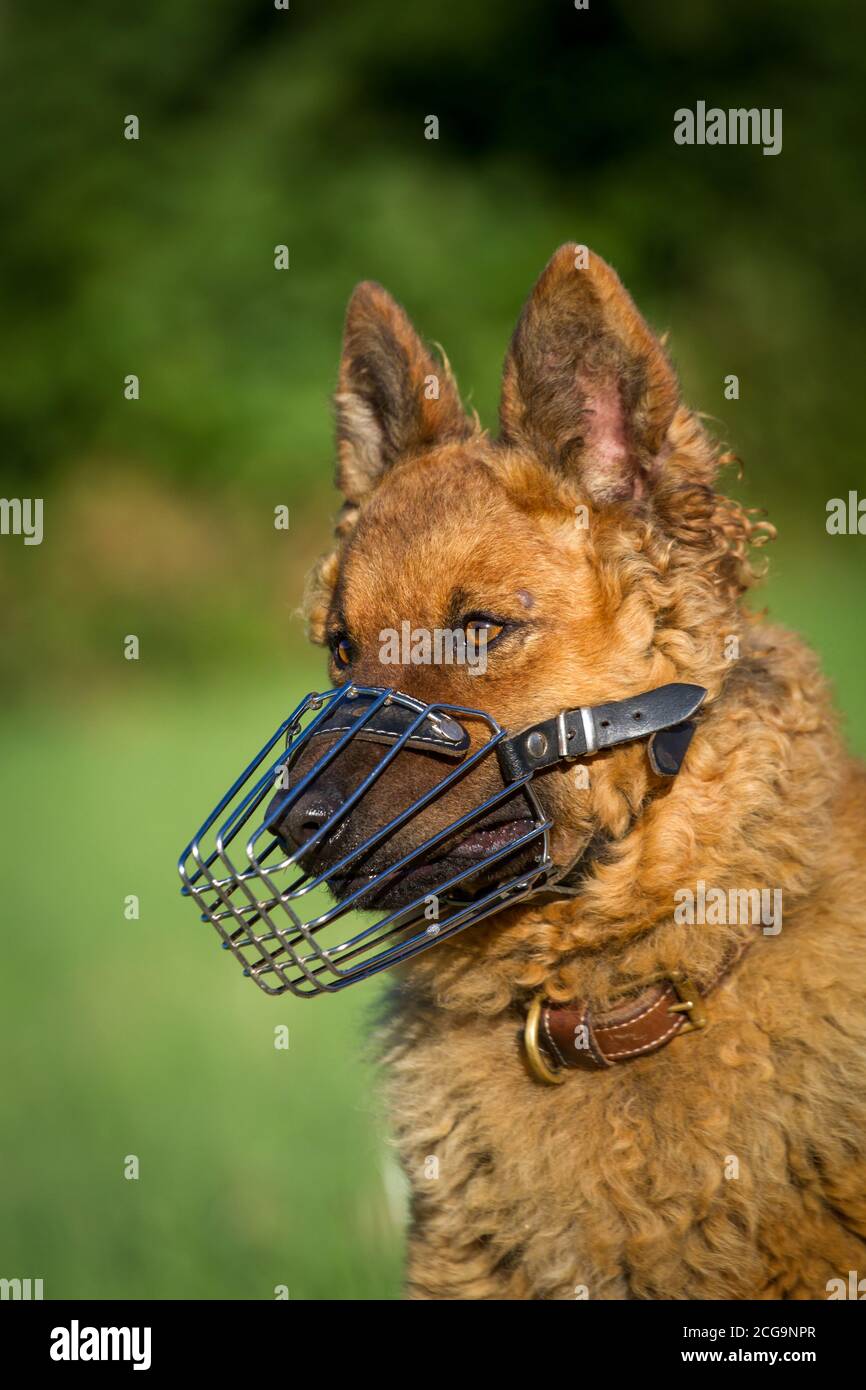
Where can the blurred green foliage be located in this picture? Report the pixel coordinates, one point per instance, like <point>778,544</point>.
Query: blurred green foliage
<point>259,1167</point>
<point>155,257</point>
<point>306,127</point>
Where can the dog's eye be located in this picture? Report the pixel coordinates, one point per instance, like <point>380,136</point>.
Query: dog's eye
<point>482,632</point>
<point>341,650</point>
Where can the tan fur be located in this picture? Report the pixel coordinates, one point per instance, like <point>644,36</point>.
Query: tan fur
<point>616,1183</point>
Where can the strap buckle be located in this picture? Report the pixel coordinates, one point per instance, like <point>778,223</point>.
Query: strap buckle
<point>691,1002</point>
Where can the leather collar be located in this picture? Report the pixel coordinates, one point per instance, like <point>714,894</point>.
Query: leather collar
<point>562,1037</point>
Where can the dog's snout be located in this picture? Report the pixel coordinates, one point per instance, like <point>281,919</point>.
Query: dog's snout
<point>299,822</point>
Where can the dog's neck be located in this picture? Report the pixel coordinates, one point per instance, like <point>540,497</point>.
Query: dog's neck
<point>734,826</point>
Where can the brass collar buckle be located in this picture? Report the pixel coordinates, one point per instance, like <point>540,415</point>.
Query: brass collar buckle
<point>689,996</point>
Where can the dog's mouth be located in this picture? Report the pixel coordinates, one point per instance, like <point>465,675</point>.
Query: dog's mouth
<point>374,883</point>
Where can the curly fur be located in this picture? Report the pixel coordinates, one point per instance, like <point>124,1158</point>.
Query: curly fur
<point>619,1184</point>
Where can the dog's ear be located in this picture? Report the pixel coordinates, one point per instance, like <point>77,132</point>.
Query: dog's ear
<point>587,385</point>
<point>393,397</point>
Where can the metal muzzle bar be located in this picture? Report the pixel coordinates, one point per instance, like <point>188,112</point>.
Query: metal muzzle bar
<point>271,905</point>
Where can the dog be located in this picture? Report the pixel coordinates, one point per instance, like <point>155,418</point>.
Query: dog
<point>633,1087</point>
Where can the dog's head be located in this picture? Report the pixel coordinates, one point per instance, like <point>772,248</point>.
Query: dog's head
<point>583,555</point>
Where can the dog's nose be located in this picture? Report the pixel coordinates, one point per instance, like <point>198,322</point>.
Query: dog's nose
<point>300,821</point>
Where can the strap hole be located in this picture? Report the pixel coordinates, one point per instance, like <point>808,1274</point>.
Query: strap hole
<point>637,714</point>
<point>605,723</point>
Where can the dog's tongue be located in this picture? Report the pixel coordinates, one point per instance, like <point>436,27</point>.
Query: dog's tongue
<point>487,841</point>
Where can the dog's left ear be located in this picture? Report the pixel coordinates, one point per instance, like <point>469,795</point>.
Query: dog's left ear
<point>393,397</point>
<point>587,385</point>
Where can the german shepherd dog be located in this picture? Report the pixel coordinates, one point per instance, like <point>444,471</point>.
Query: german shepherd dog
<point>705,1136</point>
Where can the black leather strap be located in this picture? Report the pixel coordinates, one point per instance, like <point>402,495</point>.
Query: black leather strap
<point>668,748</point>
<point>578,733</point>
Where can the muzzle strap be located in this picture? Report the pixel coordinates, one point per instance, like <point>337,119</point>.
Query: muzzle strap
<point>661,715</point>
<point>433,731</point>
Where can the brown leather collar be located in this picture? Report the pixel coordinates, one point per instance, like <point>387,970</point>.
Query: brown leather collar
<point>560,1037</point>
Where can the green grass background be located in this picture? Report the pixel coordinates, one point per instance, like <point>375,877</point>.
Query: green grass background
<point>258,1167</point>
<point>261,1167</point>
